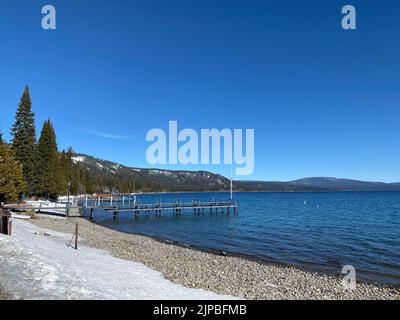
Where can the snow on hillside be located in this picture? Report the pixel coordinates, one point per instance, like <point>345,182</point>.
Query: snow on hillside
<point>99,165</point>
<point>35,265</point>
<point>78,159</point>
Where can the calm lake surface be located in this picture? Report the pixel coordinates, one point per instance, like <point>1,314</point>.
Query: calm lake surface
<point>317,231</point>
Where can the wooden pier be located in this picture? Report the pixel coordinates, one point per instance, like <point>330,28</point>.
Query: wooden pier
<point>116,206</point>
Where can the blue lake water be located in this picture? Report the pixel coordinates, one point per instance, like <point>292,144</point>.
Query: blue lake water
<point>318,231</point>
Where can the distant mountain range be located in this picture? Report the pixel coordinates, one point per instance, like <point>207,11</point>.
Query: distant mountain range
<point>152,179</point>
<point>180,180</point>
<point>319,184</point>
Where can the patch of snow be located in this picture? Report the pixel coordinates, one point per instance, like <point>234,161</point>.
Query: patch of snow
<point>166,173</point>
<point>161,172</point>
<point>72,199</point>
<point>20,216</point>
<point>37,264</point>
<point>46,204</point>
<point>99,165</point>
<point>189,174</point>
<point>78,159</point>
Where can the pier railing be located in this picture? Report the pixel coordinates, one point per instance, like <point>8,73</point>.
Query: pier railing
<point>117,205</point>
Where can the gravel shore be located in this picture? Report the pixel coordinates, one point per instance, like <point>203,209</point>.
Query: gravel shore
<point>5,296</point>
<point>227,275</point>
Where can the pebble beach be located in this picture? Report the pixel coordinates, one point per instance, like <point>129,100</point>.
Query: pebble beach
<point>228,275</point>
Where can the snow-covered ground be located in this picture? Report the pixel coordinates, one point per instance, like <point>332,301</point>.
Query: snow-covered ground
<point>45,204</point>
<point>37,264</point>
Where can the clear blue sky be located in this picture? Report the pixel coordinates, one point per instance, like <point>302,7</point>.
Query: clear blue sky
<point>323,101</point>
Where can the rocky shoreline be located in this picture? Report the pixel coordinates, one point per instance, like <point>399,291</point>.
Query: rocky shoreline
<point>235,276</point>
<point>4,295</point>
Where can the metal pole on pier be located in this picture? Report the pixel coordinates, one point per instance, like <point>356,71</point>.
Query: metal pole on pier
<point>231,178</point>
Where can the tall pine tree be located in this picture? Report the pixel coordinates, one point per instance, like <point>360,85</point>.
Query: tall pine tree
<point>24,138</point>
<point>12,183</point>
<point>70,170</point>
<point>52,180</point>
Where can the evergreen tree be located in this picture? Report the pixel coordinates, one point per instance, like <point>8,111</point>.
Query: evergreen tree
<point>24,138</point>
<point>52,182</point>
<point>87,181</point>
<point>12,183</point>
<point>73,172</point>
<point>70,170</point>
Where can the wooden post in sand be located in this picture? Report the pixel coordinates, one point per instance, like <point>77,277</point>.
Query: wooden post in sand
<point>9,226</point>
<point>76,237</point>
<point>5,221</point>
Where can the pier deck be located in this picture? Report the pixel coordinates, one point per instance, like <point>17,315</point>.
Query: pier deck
<point>117,205</point>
